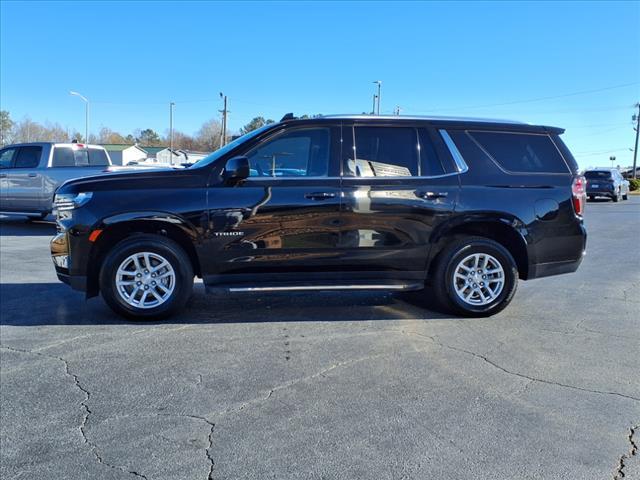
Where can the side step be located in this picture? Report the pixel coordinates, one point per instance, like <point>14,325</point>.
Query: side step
<point>313,287</point>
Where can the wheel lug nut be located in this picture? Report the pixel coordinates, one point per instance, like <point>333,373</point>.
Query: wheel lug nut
<point>484,277</point>
<point>146,287</point>
<point>138,283</point>
<point>153,275</point>
<point>146,271</point>
<point>153,283</point>
<point>475,285</point>
<point>482,284</point>
<point>138,275</point>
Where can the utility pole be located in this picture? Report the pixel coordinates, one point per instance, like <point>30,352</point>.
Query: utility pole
<point>379,82</point>
<point>224,111</point>
<point>636,117</point>
<point>171,105</point>
<point>397,110</point>
<point>373,109</point>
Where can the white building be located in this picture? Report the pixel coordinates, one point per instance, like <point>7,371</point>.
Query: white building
<point>123,154</point>
<point>176,157</point>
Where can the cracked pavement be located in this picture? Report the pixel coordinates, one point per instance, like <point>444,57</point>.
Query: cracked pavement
<point>326,385</point>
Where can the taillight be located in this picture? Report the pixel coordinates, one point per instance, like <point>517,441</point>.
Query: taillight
<point>578,191</point>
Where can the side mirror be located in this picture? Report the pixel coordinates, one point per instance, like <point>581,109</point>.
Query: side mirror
<point>236,169</point>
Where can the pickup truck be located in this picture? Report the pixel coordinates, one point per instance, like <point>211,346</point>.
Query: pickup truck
<point>30,173</point>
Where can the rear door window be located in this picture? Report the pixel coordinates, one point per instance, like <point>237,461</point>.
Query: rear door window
<point>98,157</point>
<point>521,152</point>
<point>6,157</point>
<point>384,152</point>
<point>28,157</point>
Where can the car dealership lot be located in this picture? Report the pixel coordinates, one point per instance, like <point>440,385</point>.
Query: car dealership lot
<point>353,385</point>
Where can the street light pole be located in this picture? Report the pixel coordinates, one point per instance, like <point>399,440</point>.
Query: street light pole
<point>637,129</point>
<point>171,105</point>
<point>86,114</point>
<point>379,82</point>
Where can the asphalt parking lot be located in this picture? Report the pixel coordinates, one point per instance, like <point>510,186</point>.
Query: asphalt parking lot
<point>326,386</point>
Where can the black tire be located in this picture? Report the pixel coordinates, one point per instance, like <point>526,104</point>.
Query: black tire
<point>616,197</point>
<point>625,197</point>
<point>590,198</point>
<point>442,277</point>
<point>155,244</point>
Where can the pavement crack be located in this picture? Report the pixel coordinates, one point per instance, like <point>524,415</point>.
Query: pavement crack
<point>633,450</point>
<point>435,341</point>
<point>83,405</point>
<point>209,436</point>
<point>290,383</point>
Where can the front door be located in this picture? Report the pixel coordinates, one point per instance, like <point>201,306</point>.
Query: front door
<point>284,219</point>
<point>396,190</point>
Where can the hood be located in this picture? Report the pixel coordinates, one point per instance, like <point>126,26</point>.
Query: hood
<point>128,179</point>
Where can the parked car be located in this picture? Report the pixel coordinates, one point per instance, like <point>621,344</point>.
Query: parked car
<point>606,182</point>
<point>30,173</point>
<point>452,209</point>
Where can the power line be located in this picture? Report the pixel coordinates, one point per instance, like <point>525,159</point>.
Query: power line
<point>539,99</point>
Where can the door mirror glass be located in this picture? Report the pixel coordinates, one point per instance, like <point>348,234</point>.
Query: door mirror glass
<point>236,169</point>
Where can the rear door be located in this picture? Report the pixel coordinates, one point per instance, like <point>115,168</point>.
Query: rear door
<point>25,180</point>
<point>395,191</point>
<point>285,217</point>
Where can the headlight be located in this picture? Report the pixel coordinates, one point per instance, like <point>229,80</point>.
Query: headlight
<point>65,201</point>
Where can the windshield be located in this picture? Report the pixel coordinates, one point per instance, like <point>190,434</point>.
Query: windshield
<point>597,174</point>
<point>229,146</point>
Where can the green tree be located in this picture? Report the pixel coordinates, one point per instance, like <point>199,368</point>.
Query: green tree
<point>149,137</point>
<point>254,124</point>
<point>6,127</point>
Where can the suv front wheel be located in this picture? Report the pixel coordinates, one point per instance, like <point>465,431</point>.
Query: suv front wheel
<point>475,277</point>
<point>146,277</point>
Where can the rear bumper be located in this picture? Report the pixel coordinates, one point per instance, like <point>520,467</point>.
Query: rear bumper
<point>540,270</point>
<point>547,269</point>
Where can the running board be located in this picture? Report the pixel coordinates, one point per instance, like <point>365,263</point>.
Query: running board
<point>289,288</point>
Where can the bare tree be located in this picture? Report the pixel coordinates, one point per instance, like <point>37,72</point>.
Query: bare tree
<point>208,137</point>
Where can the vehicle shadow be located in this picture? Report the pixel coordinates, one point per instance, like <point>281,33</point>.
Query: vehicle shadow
<point>56,304</point>
<point>22,227</point>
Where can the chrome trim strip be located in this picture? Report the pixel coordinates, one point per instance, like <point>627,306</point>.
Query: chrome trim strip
<point>455,153</point>
<point>319,287</point>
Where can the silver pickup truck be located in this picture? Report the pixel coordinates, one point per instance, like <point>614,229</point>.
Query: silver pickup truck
<point>30,173</point>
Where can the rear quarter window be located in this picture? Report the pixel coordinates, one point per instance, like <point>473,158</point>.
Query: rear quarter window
<point>98,157</point>
<point>521,152</point>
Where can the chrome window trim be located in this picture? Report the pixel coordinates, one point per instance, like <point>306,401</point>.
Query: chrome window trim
<point>461,165</point>
<point>515,172</point>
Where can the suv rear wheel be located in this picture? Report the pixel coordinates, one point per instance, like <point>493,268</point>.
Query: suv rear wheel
<point>475,277</point>
<point>146,277</point>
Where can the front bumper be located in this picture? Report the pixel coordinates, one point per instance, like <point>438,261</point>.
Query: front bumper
<point>62,261</point>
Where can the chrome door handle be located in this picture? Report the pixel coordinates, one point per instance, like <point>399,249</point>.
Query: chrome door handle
<point>432,195</point>
<point>319,195</point>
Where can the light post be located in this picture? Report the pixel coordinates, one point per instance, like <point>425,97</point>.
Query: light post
<point>613,159</point>
<point>171,105</point>
<point>379,83</point>
<point>86,114</point>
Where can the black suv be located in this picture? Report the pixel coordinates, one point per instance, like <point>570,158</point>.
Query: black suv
<point>456,210</point>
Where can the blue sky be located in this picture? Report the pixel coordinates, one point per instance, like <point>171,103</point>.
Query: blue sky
<point>132,59</point>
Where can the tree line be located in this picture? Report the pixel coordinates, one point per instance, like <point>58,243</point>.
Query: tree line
<point>206,139</point>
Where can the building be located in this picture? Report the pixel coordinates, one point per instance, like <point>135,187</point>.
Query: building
<point>123,154</point>
<point>177,157</point>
